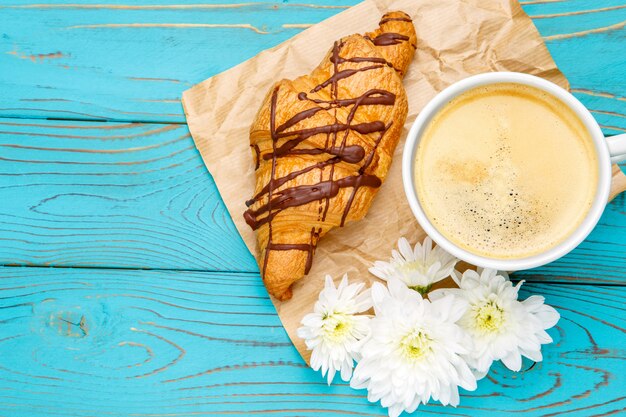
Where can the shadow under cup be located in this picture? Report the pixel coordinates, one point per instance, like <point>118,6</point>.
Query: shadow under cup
<point>506,171</point>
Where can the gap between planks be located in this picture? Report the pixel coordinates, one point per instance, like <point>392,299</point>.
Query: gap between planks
<point>274,5</point>
<point>94,120</point>
<point>528,280</point>
<point>128,268</point>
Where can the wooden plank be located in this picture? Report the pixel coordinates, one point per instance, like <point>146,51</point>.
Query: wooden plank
<point>90,63</point>
<point>599,259</point>
<point>138,196</point>
<point>80,342</point>
<point>130,62</point>
<point>110,194</point>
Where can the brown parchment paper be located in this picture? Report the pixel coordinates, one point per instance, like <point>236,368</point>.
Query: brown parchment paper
<point>456,39</point>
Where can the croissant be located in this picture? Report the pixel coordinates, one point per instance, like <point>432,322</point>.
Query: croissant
<point>323,144</point>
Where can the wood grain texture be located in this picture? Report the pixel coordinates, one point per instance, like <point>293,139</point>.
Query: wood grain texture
<point>89,341</point>
<point>129,61</point>
<point>138,196</point>
<point>81,342</point>
<point>109,194</point>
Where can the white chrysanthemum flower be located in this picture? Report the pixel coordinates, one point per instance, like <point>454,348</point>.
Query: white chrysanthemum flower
<point>419,267</point>
<point>334,330</point>
<point>414,350</point>
<point>501,327</point>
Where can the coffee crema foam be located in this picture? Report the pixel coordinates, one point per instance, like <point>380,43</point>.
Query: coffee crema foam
<point>506,171</point>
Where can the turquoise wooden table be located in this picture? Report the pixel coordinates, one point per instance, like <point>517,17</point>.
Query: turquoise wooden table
<point>125,289</point>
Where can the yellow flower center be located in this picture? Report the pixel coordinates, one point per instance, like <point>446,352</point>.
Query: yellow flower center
<point>489,317</point>
<point>336,326</point>
<point>415,345</point>
<point>417,265</point>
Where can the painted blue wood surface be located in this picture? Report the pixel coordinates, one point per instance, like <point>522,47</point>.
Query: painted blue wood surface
<point>87,61</point>
<point>139,196</point>
<point>198,335</point>
<point>110,194</point>
<point>147,343</point>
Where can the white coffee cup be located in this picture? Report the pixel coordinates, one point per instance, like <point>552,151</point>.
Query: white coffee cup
<point>611,149</point>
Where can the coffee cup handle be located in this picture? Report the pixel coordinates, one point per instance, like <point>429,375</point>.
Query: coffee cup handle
<point>617,147</point>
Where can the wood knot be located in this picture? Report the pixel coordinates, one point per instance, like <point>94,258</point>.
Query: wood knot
<point>69,324</point>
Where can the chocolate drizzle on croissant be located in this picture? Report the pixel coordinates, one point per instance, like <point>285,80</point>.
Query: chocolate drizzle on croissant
<point>298,138</point>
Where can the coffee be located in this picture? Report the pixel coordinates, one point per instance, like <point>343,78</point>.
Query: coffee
<point>506,171</point>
